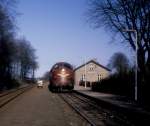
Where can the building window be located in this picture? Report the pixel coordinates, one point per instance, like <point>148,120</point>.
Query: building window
<point>83,77</point>
<point>99,77</point>
<point>91,67</point>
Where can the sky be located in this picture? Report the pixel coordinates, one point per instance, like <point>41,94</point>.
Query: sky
<point>59,31</point>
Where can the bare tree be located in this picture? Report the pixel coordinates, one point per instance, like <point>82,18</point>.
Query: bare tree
<point>6,41</point>
<point>46,76</point>
<point>17,56</point>
<point>117,15</point>
<point>27,59</point>
<point>119,62</point>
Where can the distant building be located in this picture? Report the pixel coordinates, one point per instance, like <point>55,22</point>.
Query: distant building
<point>90,72</point>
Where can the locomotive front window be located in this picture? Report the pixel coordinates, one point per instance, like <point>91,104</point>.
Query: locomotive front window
<point>68,66</point>
<point>56,66</point>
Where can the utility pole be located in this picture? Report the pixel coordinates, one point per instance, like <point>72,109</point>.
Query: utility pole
<point>85,73</point>
<point>136,61</point>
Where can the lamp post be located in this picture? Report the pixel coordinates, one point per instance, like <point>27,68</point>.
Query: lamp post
<point>85,73</point>
<point>136,61</point>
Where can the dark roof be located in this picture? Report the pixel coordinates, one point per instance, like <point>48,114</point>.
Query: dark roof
<point>63,64</point>
<point>92,61</point>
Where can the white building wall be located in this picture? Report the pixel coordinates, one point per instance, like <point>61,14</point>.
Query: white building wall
<point>91,72</point>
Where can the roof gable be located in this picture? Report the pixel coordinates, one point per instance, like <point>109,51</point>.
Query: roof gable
<point>92,61</point>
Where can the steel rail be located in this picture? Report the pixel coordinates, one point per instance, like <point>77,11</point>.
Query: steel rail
<point>11,91</point>
<point>85,99</point>
<point>9,96</point>
<point>105,116</point>
<point>78,111</point>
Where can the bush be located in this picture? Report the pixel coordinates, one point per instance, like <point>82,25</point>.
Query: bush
<point>116,84</point>
<point>9,84</point>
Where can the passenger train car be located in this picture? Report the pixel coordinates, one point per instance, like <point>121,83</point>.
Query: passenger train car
<point>61,77</point>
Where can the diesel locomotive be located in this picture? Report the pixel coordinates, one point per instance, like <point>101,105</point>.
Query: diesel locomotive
<point>61,77</point>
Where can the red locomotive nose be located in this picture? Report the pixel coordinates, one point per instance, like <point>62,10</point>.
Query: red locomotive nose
<point>62,76</point>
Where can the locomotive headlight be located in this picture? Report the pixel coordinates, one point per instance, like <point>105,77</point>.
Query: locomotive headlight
<point>63,73</point>
<point>63,70</point>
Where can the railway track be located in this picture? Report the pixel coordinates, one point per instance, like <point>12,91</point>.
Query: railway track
<point>92,112</point>
<point>10,95</point>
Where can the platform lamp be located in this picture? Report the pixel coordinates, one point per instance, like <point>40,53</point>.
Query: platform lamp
<point>85,73</point>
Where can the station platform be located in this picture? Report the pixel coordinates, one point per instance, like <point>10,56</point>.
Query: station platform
<point>111,98</point>
<point>119,103</point>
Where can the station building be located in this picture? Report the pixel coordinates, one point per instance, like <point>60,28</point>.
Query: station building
<point>90,72</point>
